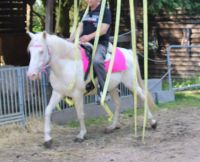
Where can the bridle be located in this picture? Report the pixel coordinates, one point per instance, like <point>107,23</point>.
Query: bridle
<point>44,66</point>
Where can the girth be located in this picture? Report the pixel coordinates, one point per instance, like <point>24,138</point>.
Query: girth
<point>88,51</point>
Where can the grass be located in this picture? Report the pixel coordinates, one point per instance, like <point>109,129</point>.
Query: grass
<point>185,99</point>
<point>179,83</point>
<point>89,122</point>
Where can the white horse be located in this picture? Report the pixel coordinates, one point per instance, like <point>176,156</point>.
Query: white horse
<point>66,68</point>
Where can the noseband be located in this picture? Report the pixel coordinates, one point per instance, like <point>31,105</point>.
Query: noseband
<point>44,65</point>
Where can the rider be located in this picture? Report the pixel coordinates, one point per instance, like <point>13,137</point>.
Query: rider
<point>87,29</point>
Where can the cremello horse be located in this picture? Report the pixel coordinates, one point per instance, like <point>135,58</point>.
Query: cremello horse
<point>65,67</point>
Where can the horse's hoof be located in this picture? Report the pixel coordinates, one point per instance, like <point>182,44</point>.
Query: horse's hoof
<point>79,140</point>
<point>48,144</point>
<point>110,130</point>
<point>154,124</point>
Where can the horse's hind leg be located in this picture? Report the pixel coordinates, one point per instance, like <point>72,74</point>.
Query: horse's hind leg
<point>115,123</point>
<point>80,114</point>
<point>140,93</point>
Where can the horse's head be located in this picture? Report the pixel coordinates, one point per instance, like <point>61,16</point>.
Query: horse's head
<point>39,54</point>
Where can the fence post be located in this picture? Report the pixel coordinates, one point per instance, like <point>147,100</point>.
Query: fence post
<point>44,90</point>
<point>169,67</point>
<point>20,95</point>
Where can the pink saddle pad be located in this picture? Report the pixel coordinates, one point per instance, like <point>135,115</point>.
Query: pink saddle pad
<point>119,61</point>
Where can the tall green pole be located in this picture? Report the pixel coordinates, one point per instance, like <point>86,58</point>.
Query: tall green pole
<point>145,33</point>
<point>134,49</point>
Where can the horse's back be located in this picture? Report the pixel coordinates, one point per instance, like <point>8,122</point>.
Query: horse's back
<point>128,55</point>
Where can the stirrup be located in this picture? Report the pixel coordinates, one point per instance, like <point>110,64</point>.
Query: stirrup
<point>99,95</point>
<point>89,87</point>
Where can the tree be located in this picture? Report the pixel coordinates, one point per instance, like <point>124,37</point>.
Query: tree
<point>62,16</point>
<point>156,6</point>
<point>38,16</point>
<point>62,19</point>
<point>63,13</point>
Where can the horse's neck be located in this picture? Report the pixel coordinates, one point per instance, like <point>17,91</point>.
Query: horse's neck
<point>62,54</point>
<point>62,49</point>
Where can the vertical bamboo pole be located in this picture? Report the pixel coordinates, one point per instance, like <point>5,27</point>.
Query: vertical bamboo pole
<point>134,49</point>
<point>118,12</point>
<point>145,33</point>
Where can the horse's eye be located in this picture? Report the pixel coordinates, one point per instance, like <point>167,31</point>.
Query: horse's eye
<point>41,52</point>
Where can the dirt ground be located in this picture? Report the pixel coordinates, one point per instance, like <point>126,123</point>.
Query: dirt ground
<point>177,139</point>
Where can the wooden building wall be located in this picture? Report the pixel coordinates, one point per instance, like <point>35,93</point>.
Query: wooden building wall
<point>164,30</point>
<point>179,28</point>
<point>13,37</point>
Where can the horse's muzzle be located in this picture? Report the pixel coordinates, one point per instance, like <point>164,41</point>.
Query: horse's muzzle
<point>33,76</point>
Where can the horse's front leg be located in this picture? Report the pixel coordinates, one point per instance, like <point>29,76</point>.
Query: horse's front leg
<point>55,98</point>
<point>78,98</point>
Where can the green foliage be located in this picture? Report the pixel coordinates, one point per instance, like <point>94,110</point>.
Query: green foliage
<point>62,8</point>
<point>38,16</point>
<point>155,6</point>
<point>61,16</point>
<point>178,83</point>
<point>183,100</point>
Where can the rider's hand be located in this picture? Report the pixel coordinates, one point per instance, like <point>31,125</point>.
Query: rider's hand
<point>70,40</point>
<point>85,39</point>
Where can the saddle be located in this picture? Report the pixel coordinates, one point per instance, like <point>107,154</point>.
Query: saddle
<point>119,60</point>
<point>88,48</point>
<point>88,52</point>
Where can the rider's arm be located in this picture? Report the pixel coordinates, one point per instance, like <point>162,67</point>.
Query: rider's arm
<point>103,30</point>
<point>79,30</point>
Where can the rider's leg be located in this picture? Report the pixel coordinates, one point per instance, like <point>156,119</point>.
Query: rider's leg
<point>98,63</point>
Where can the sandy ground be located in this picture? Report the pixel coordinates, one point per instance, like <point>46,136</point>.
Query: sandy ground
<point>177,139</point>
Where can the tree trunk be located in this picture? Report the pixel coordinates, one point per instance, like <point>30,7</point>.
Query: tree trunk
<point>63,19</point>
<point>49,19</point>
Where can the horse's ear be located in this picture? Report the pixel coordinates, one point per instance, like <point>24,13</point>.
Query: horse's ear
<point>31,35</point>
<point>44,34</point>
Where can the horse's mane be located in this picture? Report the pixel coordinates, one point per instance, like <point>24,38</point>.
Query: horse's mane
<point>57,45</point>
<point>62,47</point>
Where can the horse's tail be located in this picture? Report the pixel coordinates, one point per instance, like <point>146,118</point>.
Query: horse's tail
<point>150,100</point>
